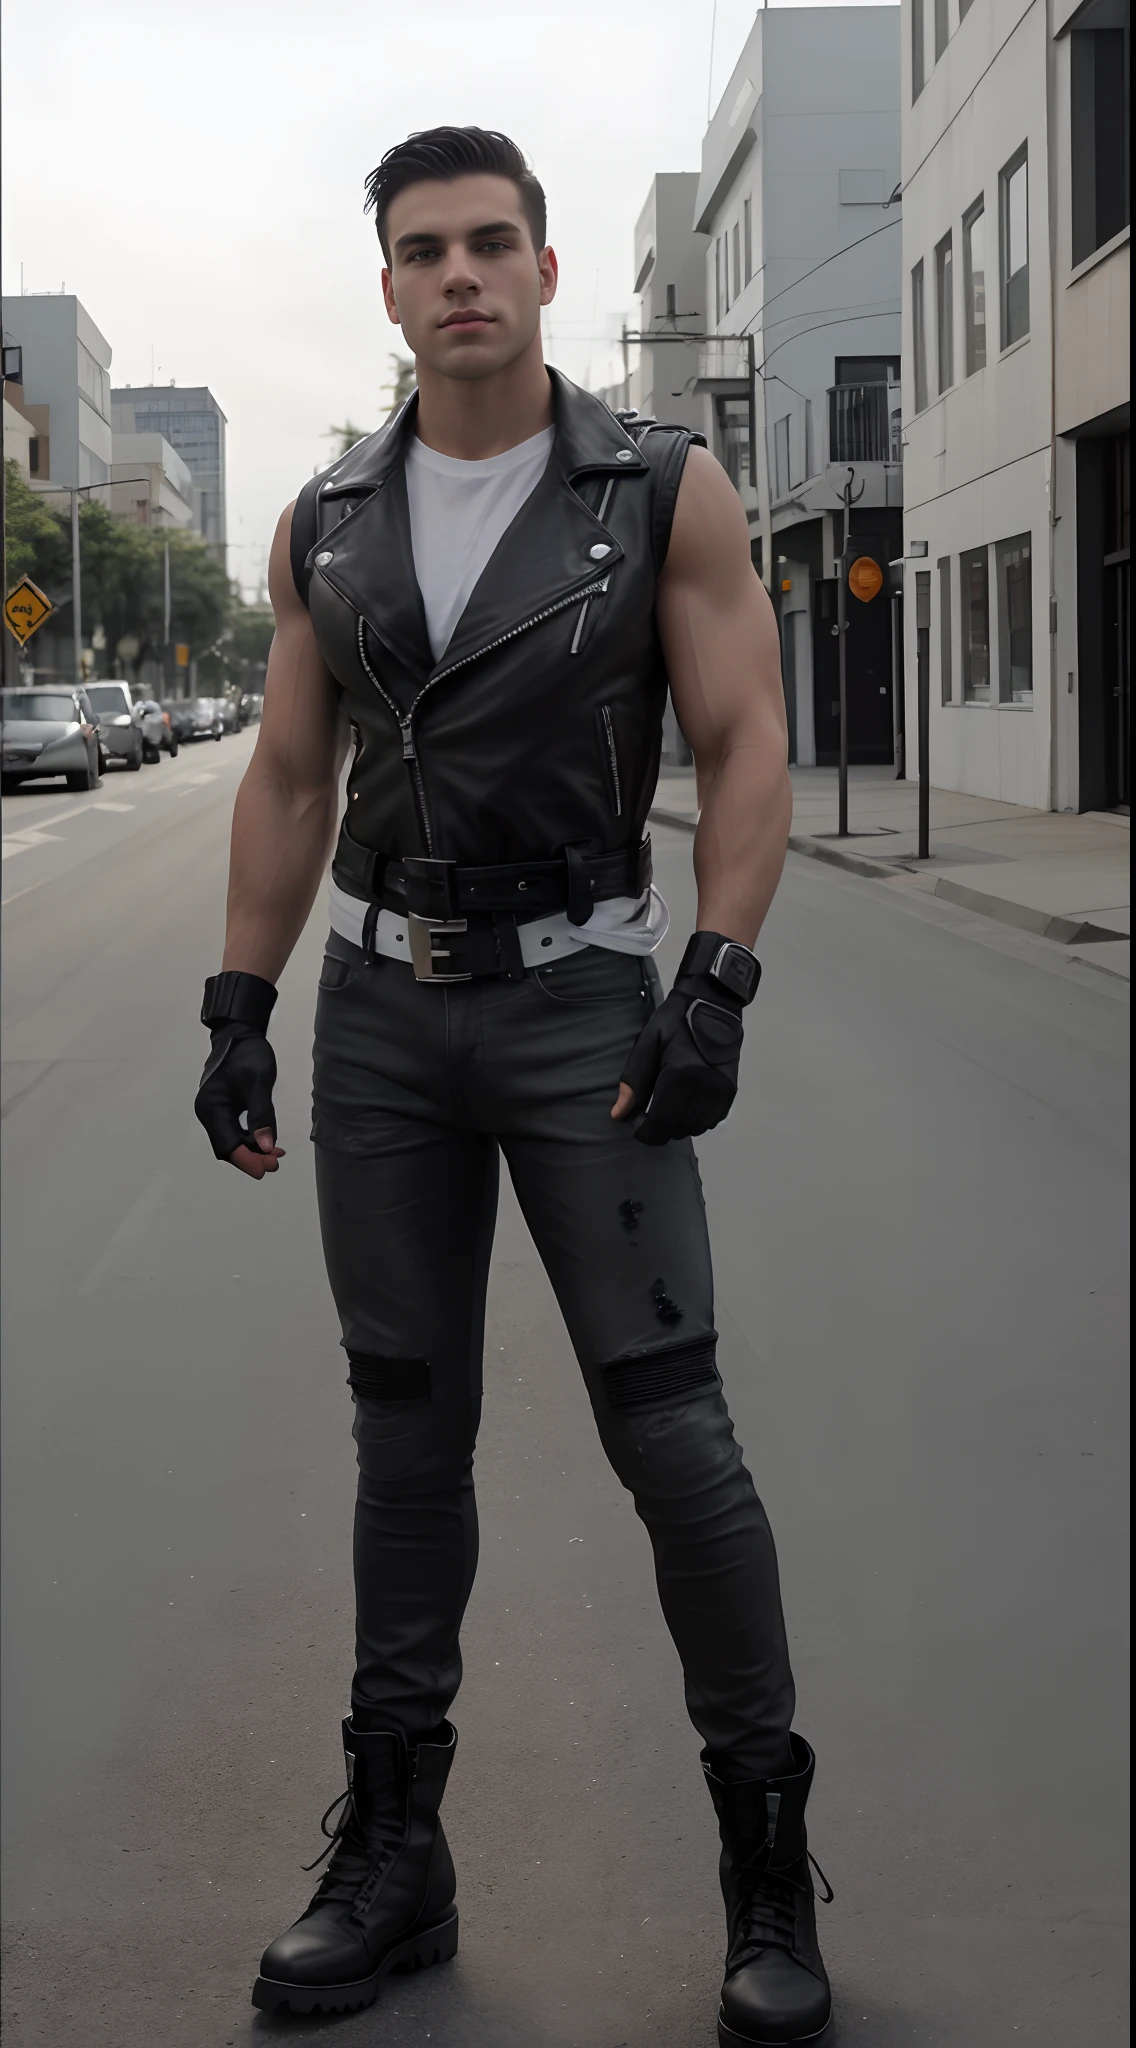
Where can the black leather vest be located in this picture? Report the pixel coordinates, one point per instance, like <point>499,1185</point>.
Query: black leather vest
<point>541,726</point>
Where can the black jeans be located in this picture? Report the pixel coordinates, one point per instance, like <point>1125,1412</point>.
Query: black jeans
<point>417,1091</point>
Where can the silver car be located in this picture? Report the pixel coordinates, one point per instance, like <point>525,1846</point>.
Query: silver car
<point>49,731</point>
<point>128,734</point>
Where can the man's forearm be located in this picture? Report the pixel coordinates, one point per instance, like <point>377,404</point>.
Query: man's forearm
<point>743,829</point>
<point>280,844</point>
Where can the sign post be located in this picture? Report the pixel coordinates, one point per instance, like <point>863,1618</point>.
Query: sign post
<point>850,498</point>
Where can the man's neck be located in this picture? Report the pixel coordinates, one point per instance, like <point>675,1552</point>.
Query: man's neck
<point>471,418</point>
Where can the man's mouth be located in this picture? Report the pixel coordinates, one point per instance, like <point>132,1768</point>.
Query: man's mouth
<point>467,318</point>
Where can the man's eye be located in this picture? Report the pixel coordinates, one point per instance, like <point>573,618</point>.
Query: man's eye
<point>493,245</point>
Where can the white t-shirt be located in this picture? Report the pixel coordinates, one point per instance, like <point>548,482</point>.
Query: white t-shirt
<point>458,513</point>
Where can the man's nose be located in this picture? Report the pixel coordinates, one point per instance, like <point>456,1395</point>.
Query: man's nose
<point>460,274</point>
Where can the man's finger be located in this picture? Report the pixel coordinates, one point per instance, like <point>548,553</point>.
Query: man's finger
<point>255,1164</point>
<point>266,1139</point>
<point>623,1101</point>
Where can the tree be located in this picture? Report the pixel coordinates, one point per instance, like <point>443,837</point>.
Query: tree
<point>345,438</point>
<point>250,635</point>
<point>37,543</point>
<point>401,381</point>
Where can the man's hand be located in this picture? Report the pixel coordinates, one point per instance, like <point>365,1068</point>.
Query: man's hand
<point>683,1068</point>
<point>240,1074</point>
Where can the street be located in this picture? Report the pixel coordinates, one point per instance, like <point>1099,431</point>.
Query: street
<point>919,1216</point>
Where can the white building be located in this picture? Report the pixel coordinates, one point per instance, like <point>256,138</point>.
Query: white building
<point>1015,357</point>
<point>66,371</point>
<point>150,484</point>
<point>797,194</point>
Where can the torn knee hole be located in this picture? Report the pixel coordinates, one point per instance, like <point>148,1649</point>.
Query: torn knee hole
<point>375,1378</point>
<point>673,1372</point>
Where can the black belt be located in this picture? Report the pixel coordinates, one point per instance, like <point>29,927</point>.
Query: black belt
<point>574,882</point>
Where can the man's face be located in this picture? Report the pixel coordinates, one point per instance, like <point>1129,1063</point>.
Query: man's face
<point>465,283</point>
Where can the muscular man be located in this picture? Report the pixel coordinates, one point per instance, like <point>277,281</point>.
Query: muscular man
<point>489,597</point>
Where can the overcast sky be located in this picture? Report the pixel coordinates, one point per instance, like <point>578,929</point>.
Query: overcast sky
<point>193,170</point>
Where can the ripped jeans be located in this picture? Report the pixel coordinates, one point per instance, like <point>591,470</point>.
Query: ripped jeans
<point>418,1090</point>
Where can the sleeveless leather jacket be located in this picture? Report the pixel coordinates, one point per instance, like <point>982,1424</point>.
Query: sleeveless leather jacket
<point>540,728</point>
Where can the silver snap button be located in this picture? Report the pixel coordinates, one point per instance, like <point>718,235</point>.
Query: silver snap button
<point>522,885</point>
<point>599,551</point>
<point>625,455</point>
<point>323,560</point>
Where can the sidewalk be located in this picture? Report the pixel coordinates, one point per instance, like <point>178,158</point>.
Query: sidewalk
<point>1062,875</point>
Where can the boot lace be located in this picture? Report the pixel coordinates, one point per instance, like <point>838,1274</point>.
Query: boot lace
<point>769,1916</point>
<point>352,1876</point>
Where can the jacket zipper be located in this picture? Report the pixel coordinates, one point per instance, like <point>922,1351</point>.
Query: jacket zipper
<point>405,721</point>
<point>612,758</point>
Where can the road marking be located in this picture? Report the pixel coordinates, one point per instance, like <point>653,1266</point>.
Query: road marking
<point>26,841</point>
<point>17,893</point>
<point>114,807</point>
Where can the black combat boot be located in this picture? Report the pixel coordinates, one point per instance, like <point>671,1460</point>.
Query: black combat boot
<point>386,1900</point>
<point>776,1990</point>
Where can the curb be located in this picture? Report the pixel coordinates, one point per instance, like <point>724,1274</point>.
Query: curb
<point>1065,931</point>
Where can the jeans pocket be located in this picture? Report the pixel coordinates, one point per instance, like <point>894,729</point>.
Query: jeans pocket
<point>594,975</point>
<point>336,974</point>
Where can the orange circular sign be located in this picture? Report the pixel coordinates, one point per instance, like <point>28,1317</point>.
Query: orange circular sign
<point>865,578</point>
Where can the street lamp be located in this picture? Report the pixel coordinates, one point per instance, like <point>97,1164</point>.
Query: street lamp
<point>75,491</point>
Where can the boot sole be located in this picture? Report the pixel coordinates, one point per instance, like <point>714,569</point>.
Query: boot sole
<point>437,1944</point>
<point>728,2039</point>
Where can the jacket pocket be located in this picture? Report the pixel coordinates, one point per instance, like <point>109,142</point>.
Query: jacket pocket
<point>609,755</point>
<point>586,619</point>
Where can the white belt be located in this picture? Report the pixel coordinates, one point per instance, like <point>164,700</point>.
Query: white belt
<point>546,938</point>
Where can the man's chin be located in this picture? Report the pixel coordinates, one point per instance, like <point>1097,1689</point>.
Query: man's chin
<point>475,356</point>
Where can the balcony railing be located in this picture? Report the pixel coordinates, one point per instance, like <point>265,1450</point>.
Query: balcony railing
<point>865,423</point>
<point>723,360</point>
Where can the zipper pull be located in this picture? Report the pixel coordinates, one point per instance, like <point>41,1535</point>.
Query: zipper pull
<point>405,728</point>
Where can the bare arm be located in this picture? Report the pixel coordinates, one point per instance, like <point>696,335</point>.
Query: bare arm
<point>720,641</point>
<point>286,806</point>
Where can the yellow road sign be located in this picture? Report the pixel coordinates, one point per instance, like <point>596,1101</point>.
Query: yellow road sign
<point>25,609</point>
<point>181,653</point>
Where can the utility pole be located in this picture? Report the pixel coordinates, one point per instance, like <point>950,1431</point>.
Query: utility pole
<point>76,588</point>
<point>166,618</point>
<point>626,346</point>
<point>850,499</point>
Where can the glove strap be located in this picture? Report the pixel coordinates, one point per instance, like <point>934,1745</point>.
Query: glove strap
<point>726,961</point>
<point>237,998</point>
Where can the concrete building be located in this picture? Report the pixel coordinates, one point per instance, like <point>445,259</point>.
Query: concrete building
<point>670,281</point>
<point>1016,394</point>
<point>191,420</point>
<point>150,484</point>
<point>66,388</point>
<point>796,197</point>
<point>1090,69</point>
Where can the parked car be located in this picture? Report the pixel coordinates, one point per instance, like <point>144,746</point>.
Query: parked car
<point>230,709</point>
<point>195,718</point>
<point>158,719</point>
<point>49,731</point>
<point>125,736</point>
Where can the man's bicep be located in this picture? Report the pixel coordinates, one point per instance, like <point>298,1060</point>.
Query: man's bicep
<point>300,734</point>
<point>716,623</point>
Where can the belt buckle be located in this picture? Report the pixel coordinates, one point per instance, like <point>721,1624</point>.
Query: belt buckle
<point>424,954</point>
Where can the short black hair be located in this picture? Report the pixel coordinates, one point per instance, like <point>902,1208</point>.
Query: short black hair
<point>442,154</point>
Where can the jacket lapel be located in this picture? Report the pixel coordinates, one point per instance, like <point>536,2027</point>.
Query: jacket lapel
<point>551,549</point>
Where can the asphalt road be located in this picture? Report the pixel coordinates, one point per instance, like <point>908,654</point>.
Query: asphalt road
<point>919,1211</point>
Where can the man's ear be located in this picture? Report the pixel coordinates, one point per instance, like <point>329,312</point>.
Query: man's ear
<point>549,274</point>
<point>389,298</point>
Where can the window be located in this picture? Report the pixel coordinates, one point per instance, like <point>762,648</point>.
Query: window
<point>974,593</point>
<point>945,629</point>
<point>919,338</point>
<point>974,286</point>
<point>867,370</point>
<point>718,279</point>
<point>733,433</point>
<point>810,441</point>
<point>781,457</point>
<point>747,237</point>
<point>917,80</point>
<point>1014,236</point>
<point>944,312</point>
<point>33,455</point>
<point>942,30</point>
<point>737,259</point>
<point>1099,126</point>
<point>1015,621</point>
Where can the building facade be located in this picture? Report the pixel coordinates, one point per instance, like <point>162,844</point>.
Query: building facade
<point>191,420</point>
<point>1015,394</point>
<point>797,197</point>
<point>150,484</point>
<point>66,390</point>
